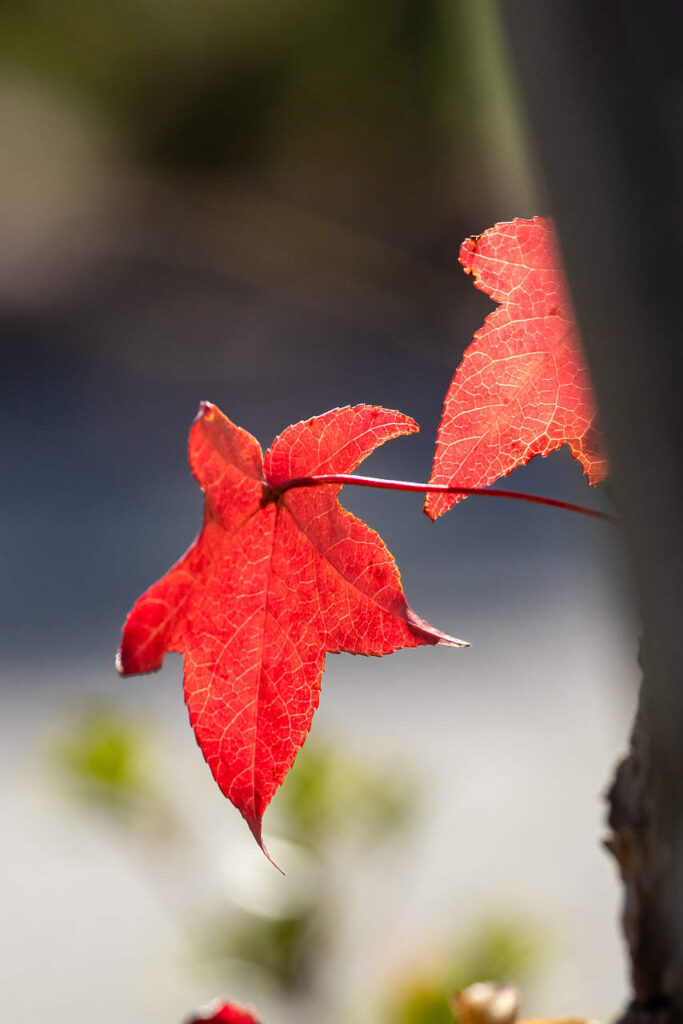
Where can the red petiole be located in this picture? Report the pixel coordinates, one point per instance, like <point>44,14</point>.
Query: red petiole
<point>405,485</point>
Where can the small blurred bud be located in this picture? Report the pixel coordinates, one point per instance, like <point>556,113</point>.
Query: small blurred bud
<point>486,1002</point>
<point>223,1013</point>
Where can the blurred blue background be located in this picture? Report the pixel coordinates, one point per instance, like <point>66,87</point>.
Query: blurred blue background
<point>261,203</point>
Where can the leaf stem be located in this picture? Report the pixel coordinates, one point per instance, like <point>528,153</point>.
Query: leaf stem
<point>405,485</point>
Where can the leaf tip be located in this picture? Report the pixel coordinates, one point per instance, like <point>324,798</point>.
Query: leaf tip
<point>428,634</point>
<point>468,250</point>
<point>452,641</point>
<point>437,503</point>
<point>269,858</point>
<point>206,410</point>
<point>255,826</point>
<point>429,510</point>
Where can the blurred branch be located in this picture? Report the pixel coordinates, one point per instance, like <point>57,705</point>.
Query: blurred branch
<point>604,85</point>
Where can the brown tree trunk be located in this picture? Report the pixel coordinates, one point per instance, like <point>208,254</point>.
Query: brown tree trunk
<point>602,81</point>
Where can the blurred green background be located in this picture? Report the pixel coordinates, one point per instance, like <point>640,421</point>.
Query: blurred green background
<point>106,764</point>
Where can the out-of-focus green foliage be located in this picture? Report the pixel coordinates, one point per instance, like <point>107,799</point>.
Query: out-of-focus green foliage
<point>288,950</point>
<point>105,760</point>
<point>204,81</point>
<point>328,793</point>
<point>332,98</point>
<point>327,796</point>
<point>501,948</point>
<point>423,1004</point>
<point>103,757</point>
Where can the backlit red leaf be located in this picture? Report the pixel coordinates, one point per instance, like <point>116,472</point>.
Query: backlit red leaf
<point>224,1013</point>
<point>522,388</point>
<point>272,583</point>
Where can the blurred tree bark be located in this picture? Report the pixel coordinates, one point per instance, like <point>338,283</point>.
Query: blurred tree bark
<point>603,87</point>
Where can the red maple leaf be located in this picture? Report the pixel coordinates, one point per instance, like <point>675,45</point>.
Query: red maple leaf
<point>522,388</point>
<point>274,581</point>
<point>224,1013</point>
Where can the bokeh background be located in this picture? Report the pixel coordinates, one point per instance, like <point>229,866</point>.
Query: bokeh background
<point>260,203</point>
